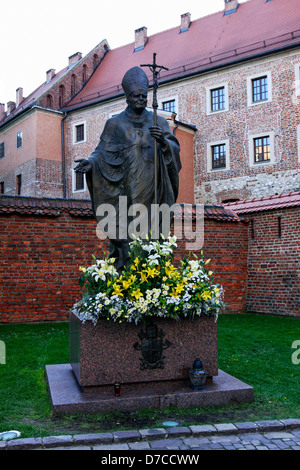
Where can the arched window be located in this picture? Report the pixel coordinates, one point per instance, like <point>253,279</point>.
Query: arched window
<point>84,74</point>
<point>61,96</point>
<point>73,85</point>
<point>49,101</point>
<point>96,61</point>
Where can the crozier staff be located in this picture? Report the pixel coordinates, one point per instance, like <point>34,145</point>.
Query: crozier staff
<point>123,163</point>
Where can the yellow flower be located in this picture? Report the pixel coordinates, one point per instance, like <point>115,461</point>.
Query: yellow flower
<point>117,290</point>
<point>136,293</point>
<point>126,284</point>
<point>82,269</point>
<point>179,288</point>
<point>206,295</point>
<point>152,272</point>
<point>144,276</point>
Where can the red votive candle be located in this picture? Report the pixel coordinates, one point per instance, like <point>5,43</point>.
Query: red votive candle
<point>117,389</point>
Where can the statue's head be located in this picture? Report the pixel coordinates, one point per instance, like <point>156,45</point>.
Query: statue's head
<point>135,85</point>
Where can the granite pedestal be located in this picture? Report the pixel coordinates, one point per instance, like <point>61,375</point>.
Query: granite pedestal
<point>152,369</point>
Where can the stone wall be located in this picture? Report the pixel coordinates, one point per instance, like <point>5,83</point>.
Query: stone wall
<point>273,262</point>
<point>45,241</point>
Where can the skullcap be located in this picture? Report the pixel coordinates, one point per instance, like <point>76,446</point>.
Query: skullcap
<point>134,78</point>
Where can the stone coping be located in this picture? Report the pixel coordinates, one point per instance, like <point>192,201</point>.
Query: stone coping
<point>118,437</point>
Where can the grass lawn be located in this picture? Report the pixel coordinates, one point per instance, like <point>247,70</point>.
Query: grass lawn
<point>256,349</point>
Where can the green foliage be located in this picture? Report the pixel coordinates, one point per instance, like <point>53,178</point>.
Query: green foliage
<point>256,349</point>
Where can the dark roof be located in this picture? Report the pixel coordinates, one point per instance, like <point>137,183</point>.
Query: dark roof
<point>280,201</point>
<point>83,208</point>
<point>257,27</point>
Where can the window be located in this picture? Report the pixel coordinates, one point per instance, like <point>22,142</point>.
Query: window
<point>18,184</point>
<point>2,150</point>
<point>169,106</point>
<point>259,89</point>
<point>61,98</point>
<point>79,134</point>
<point>73,85</point>
<point>49,101</point>
<point>84,74</point>
<point>218,155</point>
<point>2,187</point>
<point>218,99</point>
<point>262,149</point>
<point>79,182</point>
<point>19,139</point>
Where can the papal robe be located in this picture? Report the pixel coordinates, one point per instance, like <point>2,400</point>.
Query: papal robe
<point>123,165</point>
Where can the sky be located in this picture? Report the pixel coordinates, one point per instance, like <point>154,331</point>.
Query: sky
<point>40,35</point>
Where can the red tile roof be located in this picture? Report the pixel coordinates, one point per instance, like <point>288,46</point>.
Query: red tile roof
<point>83,208</point>
<point>31,99</point>
<point>257,27</point>
<point>265,203</point>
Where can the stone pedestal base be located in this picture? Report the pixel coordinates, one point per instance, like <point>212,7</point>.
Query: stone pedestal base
<point>106,353</point>
<point>68,398</point>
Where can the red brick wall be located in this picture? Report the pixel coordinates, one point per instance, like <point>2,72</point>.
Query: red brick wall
<point>273,262</point>
<point>41,252</point>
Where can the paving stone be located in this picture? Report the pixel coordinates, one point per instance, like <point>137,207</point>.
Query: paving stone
<point>153,433</point>
<point>228,428</point>
<point>99,438</point>
<point>225,439</point>
<point>20,444</point>
<point>111,447</point>
<point>179,431</point>
<point>196,441</point>
<point>291,423</point>
<point>203,429</point>
<point>141,445</point>
<point>57,441</point>
<point>278,435</point>
<point>246,427</point>
<point>166,444</point>
<point>126,436</point>
<point>270,425</point>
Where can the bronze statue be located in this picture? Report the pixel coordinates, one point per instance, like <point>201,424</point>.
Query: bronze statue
<point>122,166</point>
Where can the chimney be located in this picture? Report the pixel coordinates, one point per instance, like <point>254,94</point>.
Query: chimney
<point>185,22</point>
<point>10,107</point>
<point>2,111</point>
<point>140,38</point>
<point>19,96</point>
<point>50,74</point>
<point>230,6</point>
<point>74,58</point>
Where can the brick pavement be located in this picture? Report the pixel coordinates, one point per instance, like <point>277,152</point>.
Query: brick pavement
<point>259,435</point>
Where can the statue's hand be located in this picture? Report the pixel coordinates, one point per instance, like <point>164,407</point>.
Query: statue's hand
<point>157,133</point>
<point>83,166</point>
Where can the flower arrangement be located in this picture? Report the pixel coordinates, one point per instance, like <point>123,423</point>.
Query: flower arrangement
<point>151,287</point>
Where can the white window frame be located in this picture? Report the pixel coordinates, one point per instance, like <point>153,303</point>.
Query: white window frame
<point>75,125</point>
<point>74,190</point>
<point>209,111</point>
<point>250,88</point>
<point>166,99</point>
<point>210,169</point>
<point>254,164</point>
